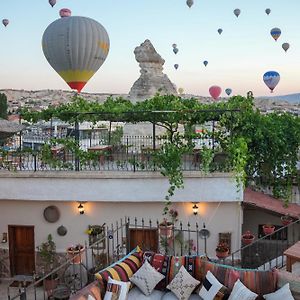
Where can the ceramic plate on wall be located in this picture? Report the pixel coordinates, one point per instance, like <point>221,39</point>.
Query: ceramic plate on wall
<point>51,214</point>
<point>62,230</point>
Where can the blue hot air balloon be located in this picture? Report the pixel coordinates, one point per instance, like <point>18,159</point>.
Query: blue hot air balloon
<point>176,66</point>
<point>205,63</point>
<point>275,33</point>
<point>228,92</point>
<point>220,30</point>
<point>175,50</point>
<point>271,79</point>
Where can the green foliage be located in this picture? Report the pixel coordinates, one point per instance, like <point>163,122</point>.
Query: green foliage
<point>47,252</point>
<point>3,106</point>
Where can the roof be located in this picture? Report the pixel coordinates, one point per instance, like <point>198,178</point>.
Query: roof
<point>8,128</point>
<point>270,203</point>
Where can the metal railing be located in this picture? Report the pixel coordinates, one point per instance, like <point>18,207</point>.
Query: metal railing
<point>116,241</point>
<point>267,251</point>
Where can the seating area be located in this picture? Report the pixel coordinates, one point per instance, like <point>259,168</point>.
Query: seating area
<point>148,275</point>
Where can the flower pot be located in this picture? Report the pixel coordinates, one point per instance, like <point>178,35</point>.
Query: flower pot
<point>285,220</point>
<point>247,238</point>
<point>50,284</point>
<point>166,229</point>
<point>75,255</point>
<point>268,229</point>
<point>223,254</point>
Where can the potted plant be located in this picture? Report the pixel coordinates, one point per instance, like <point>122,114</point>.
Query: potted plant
<point>166,227</point>
<point>47,252</point>
<point>75,253</point>
<point>268,229</point>
<point>222,250</point>
<point>247,237</point>
<point>286,219</point>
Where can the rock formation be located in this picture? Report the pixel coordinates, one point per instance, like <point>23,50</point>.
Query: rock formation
<point>152,79</point>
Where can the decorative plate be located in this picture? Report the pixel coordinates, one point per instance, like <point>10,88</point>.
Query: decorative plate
<point>62,230</point>
<point>51,214</point>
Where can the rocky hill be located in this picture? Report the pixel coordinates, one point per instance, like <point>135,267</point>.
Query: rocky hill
<point>43,98</point>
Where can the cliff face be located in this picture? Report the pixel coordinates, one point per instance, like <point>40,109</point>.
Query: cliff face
<point>152,79</point>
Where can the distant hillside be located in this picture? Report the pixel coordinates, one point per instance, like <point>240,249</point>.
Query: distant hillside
<point>292,98</point>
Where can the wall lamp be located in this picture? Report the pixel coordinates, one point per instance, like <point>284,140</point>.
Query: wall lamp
<point>81,208</point>
<point>195,209</point>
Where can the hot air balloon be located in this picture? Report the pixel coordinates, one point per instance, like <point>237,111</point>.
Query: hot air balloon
<point>175,50</point>
<point>189,3</point>
<point>220,30</point>
<point>176,66</point>
<point>215,91</point>
<point>180,90</point>
<point>237,12</point>
<point>5,22</point>
<point>75,47</point>
<point>228,91</point>
<point>174,45</point>
<point>268,11</point>
<point>205,63</point>
<point>285,46</point>
<point>52,2</point>
<point>271,79</point>
<point>275,33</point>
<point>65,12</point>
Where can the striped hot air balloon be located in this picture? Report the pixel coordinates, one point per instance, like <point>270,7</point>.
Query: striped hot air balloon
<point>75,47</point>
<point>271,79</point>
<point>275,33</point>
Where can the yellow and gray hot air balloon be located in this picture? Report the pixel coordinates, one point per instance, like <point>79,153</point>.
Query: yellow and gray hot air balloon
<point>75,47</point>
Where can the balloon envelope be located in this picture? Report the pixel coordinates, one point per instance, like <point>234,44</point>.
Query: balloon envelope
<point>52,2</point>
<point>285,46</point>
<point>268,11</point>
<point>215,91</point>
<point>228,92</point>
<point>220,30</point>
<point>5,22</point>
<point>189,3</point>
<point>237,12</point>
<point>175,50</point>
<point>271,79</point>
<point>65,12</point>
<point>205,63</point>
<point>180,91</point>
<point>176,66</point>
<point>174,45</point>
<point>74,58</point>
<point>275,33</point>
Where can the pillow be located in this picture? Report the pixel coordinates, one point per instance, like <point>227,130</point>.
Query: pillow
<point>171,296</point>
<point>211,288</point>
<point>89,291</point>
<point>183,284</point>
<point>136,294</point>
<point>116,290</point>
<point>294,281</point>
<point>146,278</point>
<point>282,293</point>
<point>123,269</point>
<point>90,297</point>
<point>240,292</point>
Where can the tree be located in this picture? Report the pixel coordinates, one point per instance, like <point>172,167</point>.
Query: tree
<point>3,106</point>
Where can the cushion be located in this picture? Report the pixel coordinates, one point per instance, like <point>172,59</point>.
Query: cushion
<point>212,289</point>
<point>90,297</point>
<point>91,290</point>
<point>282,293</point>
<point>146,278</point>
<point>294,281</point>
<point>122,270</point>
<point>116,290</point>
<point>183,284</point>
<point>136,294</point>
<point>171,296</point>
<point>241,292</point>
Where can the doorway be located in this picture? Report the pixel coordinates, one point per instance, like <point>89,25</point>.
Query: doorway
<point>21,249</point>
<point>147,239</point>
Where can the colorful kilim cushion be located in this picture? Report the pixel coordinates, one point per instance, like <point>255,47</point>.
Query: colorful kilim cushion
<point>123,269</point>
<point>212,289</point>
<point>146,278</point>
<point>183,284</point>
<point>116,290</point>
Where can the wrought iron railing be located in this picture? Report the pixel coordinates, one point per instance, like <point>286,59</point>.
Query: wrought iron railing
<point>267,251</point>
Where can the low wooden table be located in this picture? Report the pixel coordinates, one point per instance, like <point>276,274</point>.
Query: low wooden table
<point>105,150</point>
<point>292,255</point>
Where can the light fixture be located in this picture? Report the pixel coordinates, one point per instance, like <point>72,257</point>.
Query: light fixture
<point>195,209</point>
<point>4,237</point>
<point>81,208</point>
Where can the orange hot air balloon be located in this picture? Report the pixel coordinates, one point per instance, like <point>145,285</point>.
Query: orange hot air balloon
<point>75,47</point>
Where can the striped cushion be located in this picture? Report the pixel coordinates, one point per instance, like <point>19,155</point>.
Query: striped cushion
<point>123,269</point>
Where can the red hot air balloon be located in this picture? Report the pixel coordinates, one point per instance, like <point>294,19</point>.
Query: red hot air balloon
<point>215,91</point>
<point>65,12</point>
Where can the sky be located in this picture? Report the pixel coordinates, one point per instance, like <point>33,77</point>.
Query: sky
<point>237,58</point>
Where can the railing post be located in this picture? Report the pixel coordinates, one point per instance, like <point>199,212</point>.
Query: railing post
<point>34,161</point>
<point>77,162</point>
